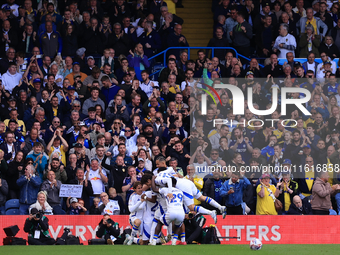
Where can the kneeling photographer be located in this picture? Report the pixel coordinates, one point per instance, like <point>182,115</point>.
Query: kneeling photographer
<point>110,231</point>
<point>193,227</point>
<point>36,225</point>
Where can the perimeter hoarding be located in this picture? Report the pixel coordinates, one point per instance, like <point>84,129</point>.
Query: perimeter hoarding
<point>241,229</point>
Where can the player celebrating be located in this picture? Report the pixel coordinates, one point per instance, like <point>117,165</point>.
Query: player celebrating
<point>189,190</point>
<point>175,213</point>
<point>136,208</point>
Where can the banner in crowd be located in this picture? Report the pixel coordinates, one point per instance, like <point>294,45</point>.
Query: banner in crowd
<point>233,229</point>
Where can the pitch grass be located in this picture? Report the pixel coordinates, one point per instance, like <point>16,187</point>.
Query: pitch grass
<point>272,249</point>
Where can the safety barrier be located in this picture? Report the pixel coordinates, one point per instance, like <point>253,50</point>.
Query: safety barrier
<point>164,53</point>
<point>233,229</point>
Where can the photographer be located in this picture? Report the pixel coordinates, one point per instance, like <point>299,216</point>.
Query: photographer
<point>109,231</point>
<point>193,227</point>
<point>36,225</point>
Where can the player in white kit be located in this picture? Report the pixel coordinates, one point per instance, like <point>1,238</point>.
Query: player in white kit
<point>175,212</point>
<point>161,208</point>
<point>150,208</point>
<point>190,192</point>
<point>136,208</point>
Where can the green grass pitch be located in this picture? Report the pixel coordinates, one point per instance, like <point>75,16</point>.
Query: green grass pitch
<point>272,249</point>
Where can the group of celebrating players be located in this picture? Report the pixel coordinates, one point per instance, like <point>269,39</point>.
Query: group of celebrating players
<point>164,199</point>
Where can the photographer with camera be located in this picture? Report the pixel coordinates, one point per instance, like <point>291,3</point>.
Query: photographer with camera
<point>36,225</point>
<point>109,231</point>
<point>194,223</point>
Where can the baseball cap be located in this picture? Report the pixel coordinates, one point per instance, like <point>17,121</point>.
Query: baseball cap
<point>11,98</point>
<point>249,72</point>
<point>80,51</point>
<point>327,62</point>
<point>275,86</point>
<point>140,159</point>
<point>73,200</point>
<point>7,8</point>
<point>265,3</point>
<point>71,88</point>
<point>334,130</point>
<point>307,146</point>
<point>297,64</point>
<point>78,145</point>
<point>148,125</point>
<point>76,63</point>
<point>34,211</point>
<point>264,176</point>
<point>287,161</point>
<point>89,57</point>
<point>36,80</point>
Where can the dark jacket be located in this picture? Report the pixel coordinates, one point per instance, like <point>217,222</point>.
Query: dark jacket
<point>306,209</point>
<point>8,154</point>
<point>240,38</point>
<point>3,192</point>
<point>93,41</point>
<point>304,46</point>
<point>105,230</point>
<point>294,187</point>
<point>51,46</point>
<point>87,192</point>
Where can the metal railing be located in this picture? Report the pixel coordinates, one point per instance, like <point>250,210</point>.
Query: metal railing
<point>164,53</point>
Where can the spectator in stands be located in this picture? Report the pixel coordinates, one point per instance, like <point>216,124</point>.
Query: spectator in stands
<point>119,40</point>
<point>52,187</point>
<point>241,35</point>
<point>219,41</point>
<point>309,42</point>
<point>233,189</point>
<point>93,101</point>
<point>310,19</point>
<point>97,177</point>
<point>321,194</point>
<point>87,186</point>
<point>299,207</point>
<point>150,40</point>
<point>4,190</point>
<point>176,39</point>
<point>11,78</point>
<point>299,8</point>
<point>94,38</point>
<point>29,185</point>
<point>138,60</point>
<point>29,40</point>
<point>334,33</point>
<point>50,41</point>
<point>324,15</point>
<point>310,64</point>
<point>230,23</point>
<point>285,42</point>
<point>329,47</point>
<point>266,195</point>
<point>171,69</point>
<point>266,37</point>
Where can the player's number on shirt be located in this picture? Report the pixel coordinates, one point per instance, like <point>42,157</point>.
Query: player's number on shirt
<point>175,197</point>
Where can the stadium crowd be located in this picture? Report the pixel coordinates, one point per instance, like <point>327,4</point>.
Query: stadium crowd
<point>78,106</point>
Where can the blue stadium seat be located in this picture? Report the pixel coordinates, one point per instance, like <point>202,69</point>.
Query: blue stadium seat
<point>12,212</point>
<point>12,204</point>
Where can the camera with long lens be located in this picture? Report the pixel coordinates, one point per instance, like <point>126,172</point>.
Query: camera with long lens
<point>39,215</point>
<point>109,221</point>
